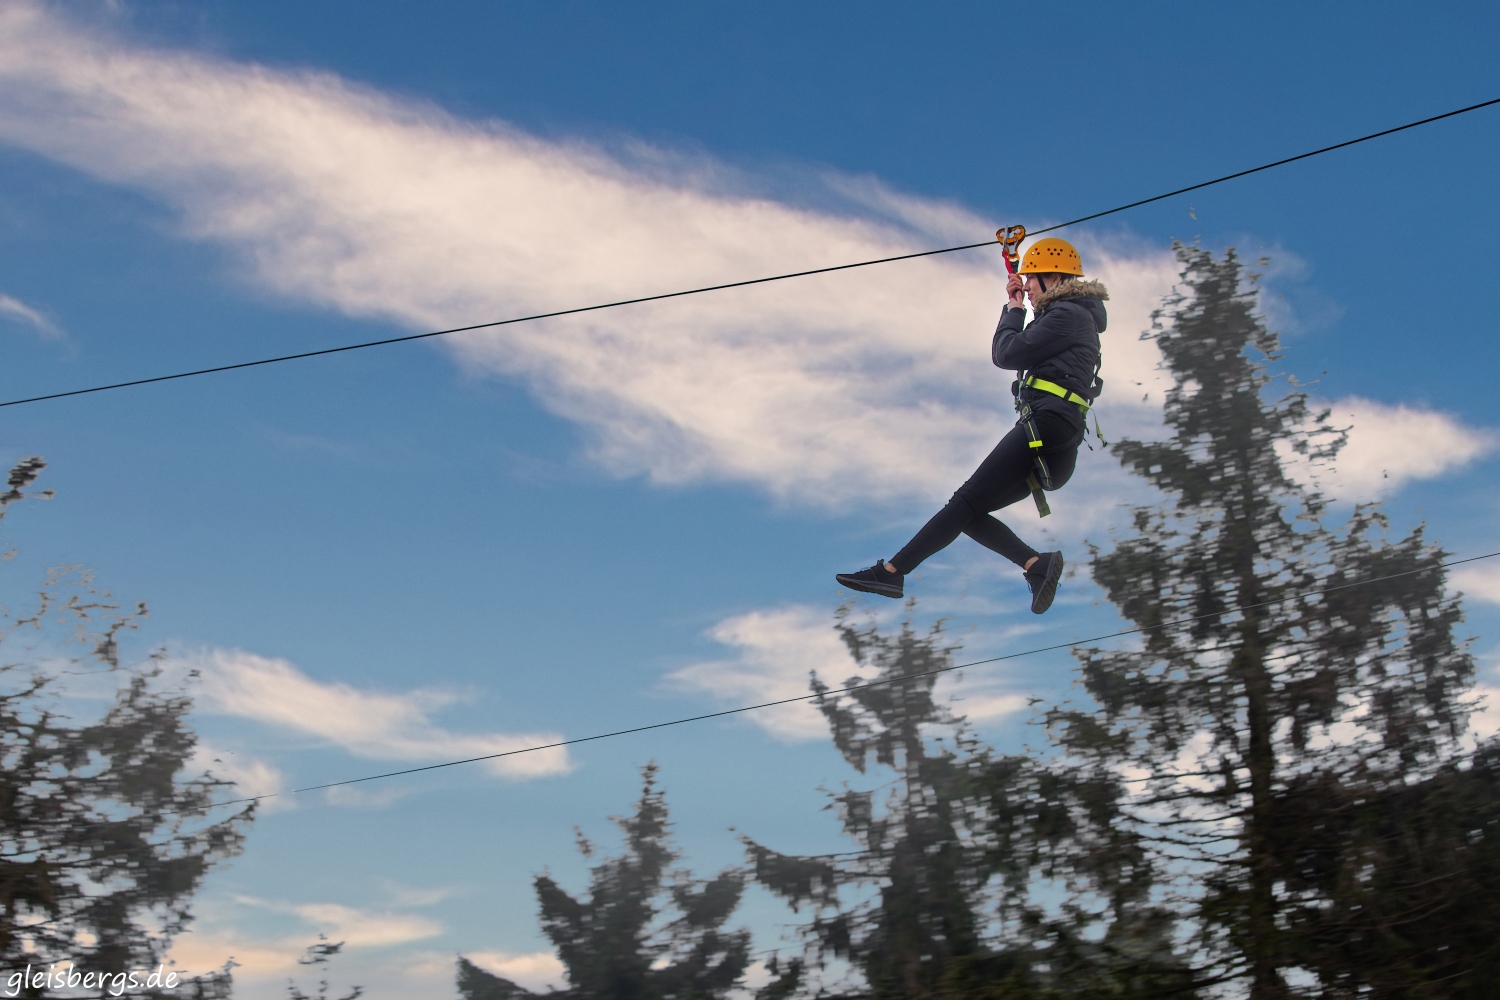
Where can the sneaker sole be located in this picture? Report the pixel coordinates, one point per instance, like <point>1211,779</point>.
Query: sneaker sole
<point>1048,590</point>
<point>869,587</point>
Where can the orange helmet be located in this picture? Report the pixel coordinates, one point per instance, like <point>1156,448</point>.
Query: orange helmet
<point>1051,256</point>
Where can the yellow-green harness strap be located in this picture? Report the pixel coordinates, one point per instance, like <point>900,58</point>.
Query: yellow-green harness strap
<point>1032,382</point>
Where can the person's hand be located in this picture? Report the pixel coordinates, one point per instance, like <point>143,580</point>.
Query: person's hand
<point>1015,291</point>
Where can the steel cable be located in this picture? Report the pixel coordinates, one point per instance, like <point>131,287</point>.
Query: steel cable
<point>869,684</point>
<point>737,284</point>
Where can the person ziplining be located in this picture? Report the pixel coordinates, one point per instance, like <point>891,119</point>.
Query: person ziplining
<point>1057,359</point>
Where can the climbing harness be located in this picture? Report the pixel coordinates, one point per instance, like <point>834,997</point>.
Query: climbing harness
<point>1032,382</point>
<point>1040,480</point>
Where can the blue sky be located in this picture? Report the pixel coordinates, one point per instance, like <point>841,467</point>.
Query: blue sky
<point>396,556</point>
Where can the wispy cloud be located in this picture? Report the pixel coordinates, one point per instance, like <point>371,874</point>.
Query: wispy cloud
<point>868,386</point>
<point>871,383</point>
<point>1481,580</point>
<point>14,309</point>
<point>220,933</point>
<point>1485,722</point>
<point>774,654</point>
<point>370,724</point>
<point>251,775</point>
<point>1389,446</point>
<point>266,937</point>
<point>535,970</point>
<point>360,928</point>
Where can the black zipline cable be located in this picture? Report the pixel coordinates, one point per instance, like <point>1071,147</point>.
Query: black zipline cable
<point>741,284</point>
<point>859,687</point>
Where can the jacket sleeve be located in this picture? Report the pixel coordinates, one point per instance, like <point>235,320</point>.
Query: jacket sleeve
<point>1049,334</point>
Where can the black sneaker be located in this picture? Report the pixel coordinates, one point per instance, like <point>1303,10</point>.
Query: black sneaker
<point>875,580</point>
<point>1042,578</point>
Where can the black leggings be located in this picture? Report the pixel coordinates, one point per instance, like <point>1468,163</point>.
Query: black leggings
<point>999,482</point>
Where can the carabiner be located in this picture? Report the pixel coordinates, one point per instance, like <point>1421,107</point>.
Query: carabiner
<point>1010,239</point>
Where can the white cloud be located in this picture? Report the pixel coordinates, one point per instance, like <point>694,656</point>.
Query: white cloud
<point>200,951</point>
<point>989,705</point>
<point>14,309</point>
<point>375,949</point>
<point>1388,446</point>
<point>536,970</point>
<point>872,384</point>
<point>407,895</point>
<point>359,928</point>
<point>367,724</point>
<point>251,775</point>
<point>1391,445</point>
<point>775,652</point>
<point>1485,722</point>
<point>1481,580</point>
<point>218,934</point>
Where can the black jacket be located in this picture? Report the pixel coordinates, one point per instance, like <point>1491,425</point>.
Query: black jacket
<point>1061,344</point>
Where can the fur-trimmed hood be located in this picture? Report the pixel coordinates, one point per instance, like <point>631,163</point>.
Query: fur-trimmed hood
<point>1061,343</point>
<point>1077,288</point>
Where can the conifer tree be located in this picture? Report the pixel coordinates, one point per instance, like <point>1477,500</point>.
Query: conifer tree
<point>1407,877</point>
<point>646,931</point>
<point>952,852</point>
<point>926,910</point>
<point>1260,727</point>
<point>105,838</point>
